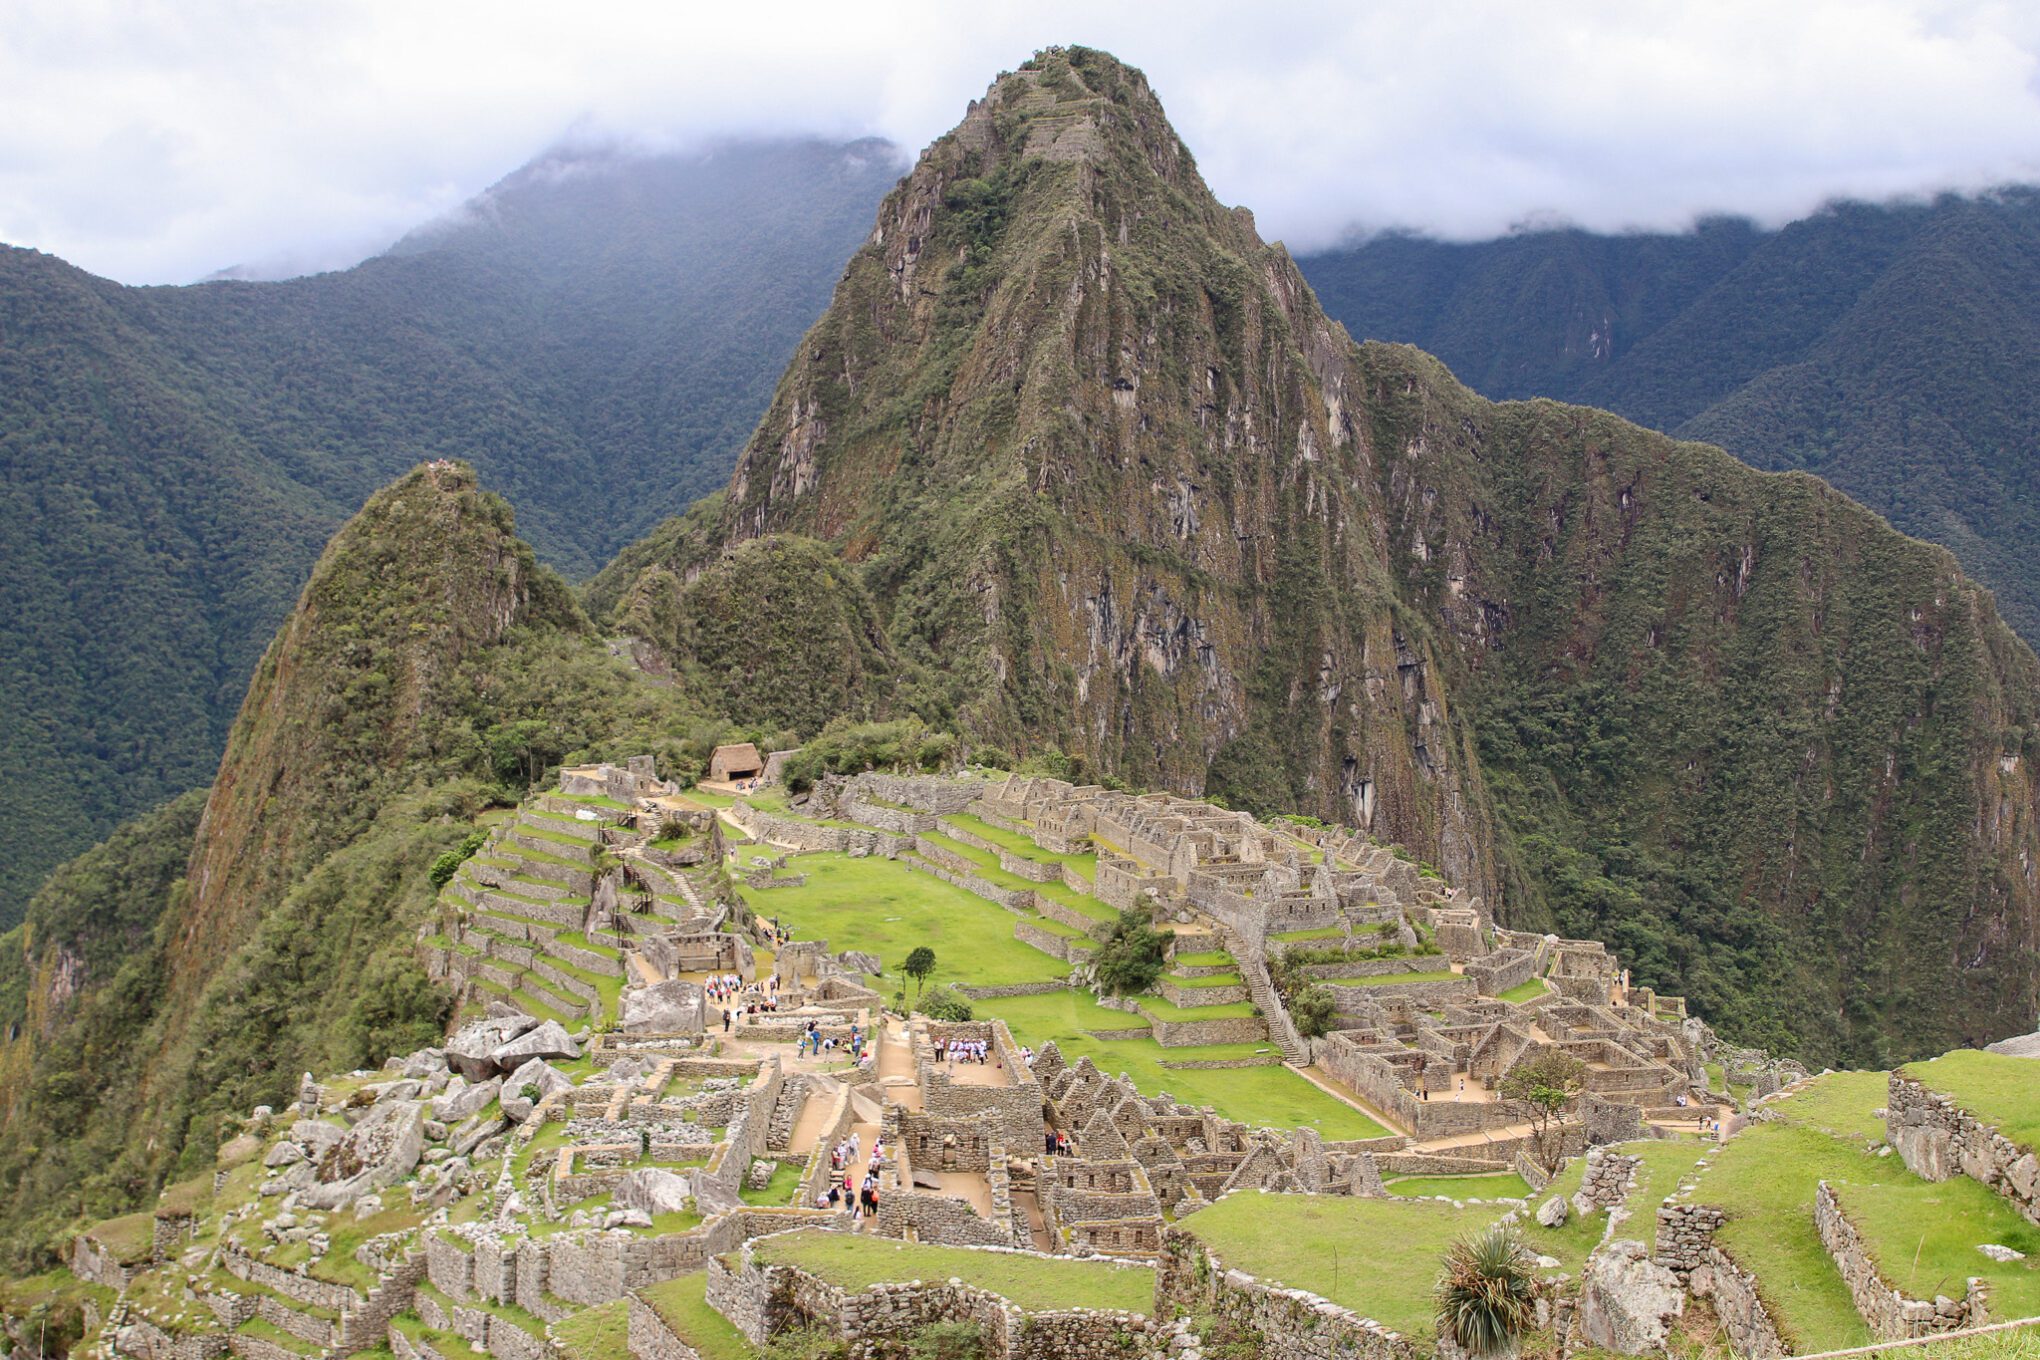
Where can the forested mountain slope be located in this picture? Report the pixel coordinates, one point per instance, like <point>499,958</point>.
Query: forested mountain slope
<point>1113,481</point>
<point>199,960</point>
<point>597,334</point>
<point>1894,350</point>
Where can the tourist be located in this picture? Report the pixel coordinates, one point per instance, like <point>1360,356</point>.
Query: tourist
<point>725,1022</point>
<point>868,1195</point>
<point>1048,1141</point>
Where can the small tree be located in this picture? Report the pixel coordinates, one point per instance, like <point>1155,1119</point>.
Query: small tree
<point>919,964</point>
<point>1540,1088</point>
<point>1131,956</point>
<point>1487,1293</point>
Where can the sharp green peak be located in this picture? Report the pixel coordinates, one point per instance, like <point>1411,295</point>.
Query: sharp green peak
<point>1114,483</point>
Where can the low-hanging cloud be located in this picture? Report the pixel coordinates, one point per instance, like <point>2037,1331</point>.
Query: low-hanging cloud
<point>156,142</point>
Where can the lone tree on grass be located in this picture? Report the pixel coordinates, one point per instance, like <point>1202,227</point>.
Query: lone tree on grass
<point>1487,1293</point>
<point>919,964</point>
<point>1540,1088</point>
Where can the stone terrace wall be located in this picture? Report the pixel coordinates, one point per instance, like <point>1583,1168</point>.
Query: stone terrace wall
<point>807,836</point>
<point>1292,1324</point>
<point>762,1299</point>
<point>1890,1314</point>
<point>1939,1139</point>
<point>1685,1245</point>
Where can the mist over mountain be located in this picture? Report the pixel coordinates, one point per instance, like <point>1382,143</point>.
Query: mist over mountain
<point>597,334</point>
<point>1891,349</point>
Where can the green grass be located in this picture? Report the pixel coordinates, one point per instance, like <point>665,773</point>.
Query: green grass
<point>598,1333</point>
<point>338,1265</point>
<point>131,1237</point>
<point>276,1336</point>
<point>2002,1091</point>
<point>2018,1343</point>
<point>682,1305</point>
<point>1085,865</point>
<point>526,1002</point>
<point>1034,1284</point>
<point>1320,933</point>
<point>1271,1096</point>
<point>601,800</point>
<point>1210,958</point>
<point>518,852</point>
<point>1377,1257</point>
<point>1665,1160</point>
<point>1924,1235</point>
<point>1500,1185</point>
<point>546,833</point>
<point>1398,979</point>
<point>874,904</point>
<point>1162,1008</point>
<point>1526,991</point>
<point>1840,1104</point>
<point>1210,980</point>
<point>1765,1179</point>
<point>986,865</point>
<point>785,1179</point>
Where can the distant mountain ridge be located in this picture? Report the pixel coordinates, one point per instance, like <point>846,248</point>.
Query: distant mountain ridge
<point>597,337</point>
<point>1892,349</point>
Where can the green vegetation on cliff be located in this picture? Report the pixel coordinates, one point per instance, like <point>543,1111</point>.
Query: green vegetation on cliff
<point>597,334</point>
<point>190,969</point>
<point>1891,349</point>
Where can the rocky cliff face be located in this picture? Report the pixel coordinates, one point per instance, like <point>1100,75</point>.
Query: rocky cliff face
<point>1111,476</point>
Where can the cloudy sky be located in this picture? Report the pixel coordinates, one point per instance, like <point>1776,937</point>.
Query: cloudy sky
<point>157,142</point>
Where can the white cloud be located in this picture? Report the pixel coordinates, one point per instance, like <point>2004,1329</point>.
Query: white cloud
<point>158,141</point>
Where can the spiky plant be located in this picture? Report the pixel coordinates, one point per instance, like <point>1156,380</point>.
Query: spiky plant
<point>1487,1294</point>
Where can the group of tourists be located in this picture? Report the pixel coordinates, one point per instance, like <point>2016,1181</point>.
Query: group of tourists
<point>969,1051</point>
<point>845,1187</point>
<point>1056,1143</point>
<point>723,987</point>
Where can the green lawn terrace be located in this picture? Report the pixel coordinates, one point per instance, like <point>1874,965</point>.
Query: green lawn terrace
<point>551,914</point>
<point>1922,1238</point>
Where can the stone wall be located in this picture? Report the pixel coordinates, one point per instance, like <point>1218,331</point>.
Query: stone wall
<point>1608,1178</point>
<point>1685,1245</point>
<point>1939,1139</point>
<point>763,1299</point>
<point>649,1338</point>
<point>1290,1323</point>
<point>1239,1029</point>
<point>1502,970</point>
<point>1890,1314</point>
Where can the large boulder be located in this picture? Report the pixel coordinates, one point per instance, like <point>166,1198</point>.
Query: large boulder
<point>549,1040</point>
<point>457,1103</point>
<point>654,1190</point>
<point>472,1051</point>
<point>379,1151</point>
<point>663,1008</point>
<point>540,1074</point>
<point>1628,1302</point>
<point>1552,1213</point>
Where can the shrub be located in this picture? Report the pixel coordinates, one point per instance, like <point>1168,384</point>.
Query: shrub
<point>1131,956</point>
<point>1487,1292</point>
<point>448,864</point>
<point>1312,1012</point>
<point>945,1003</point>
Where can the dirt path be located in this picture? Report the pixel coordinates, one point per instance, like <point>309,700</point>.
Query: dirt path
<point>1344,1096</point>
<point>814,1117</point>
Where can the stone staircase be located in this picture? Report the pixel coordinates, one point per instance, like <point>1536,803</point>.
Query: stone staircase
<point>1261,988</point>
